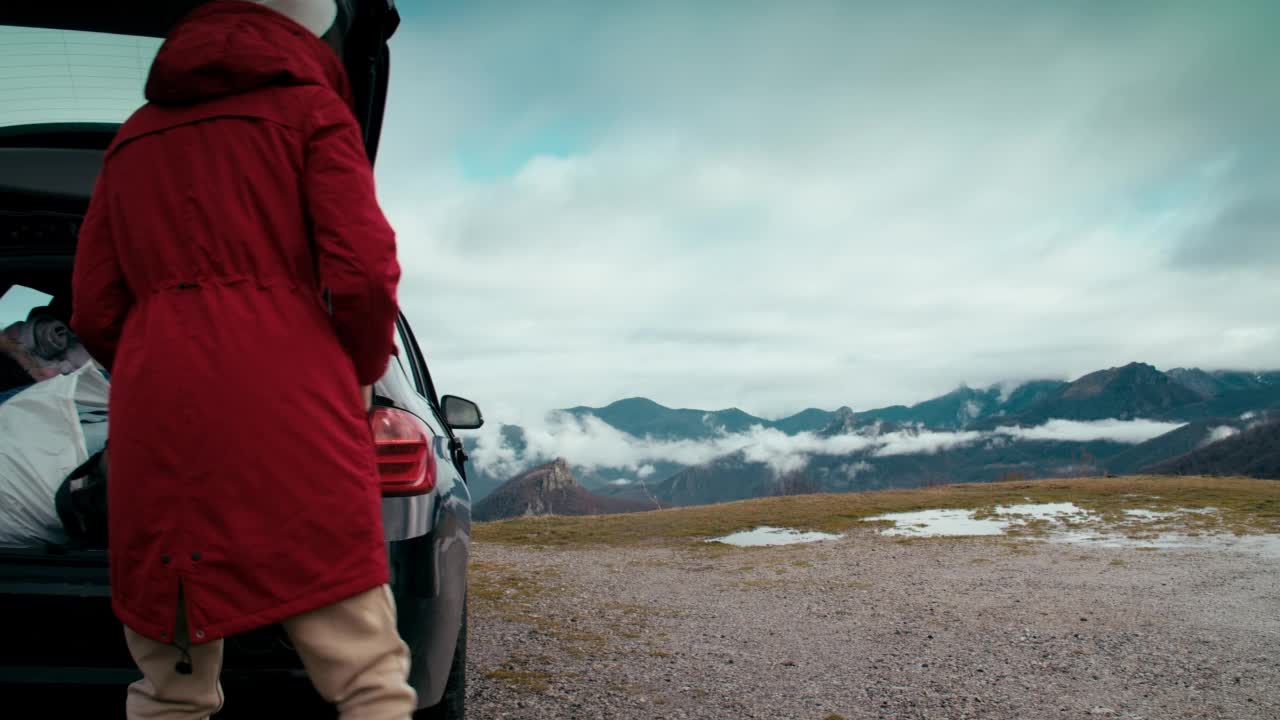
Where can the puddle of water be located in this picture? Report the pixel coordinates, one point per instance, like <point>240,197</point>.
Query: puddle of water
<point>1152,514</point>
<point>1142,514</point>
<point>765,536</point>
<point>955,522</point>
<point>940,523</point>
<point>1043,511</point>
<point>1267,546</point>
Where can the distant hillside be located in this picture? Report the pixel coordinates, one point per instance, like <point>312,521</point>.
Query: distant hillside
<point>1234,402</point>
<point>961,407</point>
<point>1253,453</point>
<point>1216,383</point>
<point>1192,436</point>
<point>731,477</point>
<point>641,416</point>
<point>808,420</point>
<point>1136,390</point>
<point>549,489</point>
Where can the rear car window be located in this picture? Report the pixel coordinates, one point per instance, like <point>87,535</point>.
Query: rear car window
<point>57,76</point>
<point>18,301</point>
<point>404,361</point>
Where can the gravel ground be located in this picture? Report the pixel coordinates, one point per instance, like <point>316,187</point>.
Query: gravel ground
<point>873,627</point>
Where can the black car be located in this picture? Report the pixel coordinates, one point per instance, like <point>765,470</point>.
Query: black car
<point>60,639</point>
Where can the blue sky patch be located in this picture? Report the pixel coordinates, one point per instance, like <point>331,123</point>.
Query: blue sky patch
<point>496,152</point>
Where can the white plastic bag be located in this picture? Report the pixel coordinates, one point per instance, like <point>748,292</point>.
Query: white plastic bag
<point>41,442</point>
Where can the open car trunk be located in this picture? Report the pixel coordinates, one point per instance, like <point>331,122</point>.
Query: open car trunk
<point>59,628</point>
<point>48,169</point>
<point>370,24</point>
<point>56,596</point>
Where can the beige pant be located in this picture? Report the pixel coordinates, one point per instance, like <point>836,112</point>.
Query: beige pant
<point>350,649</point>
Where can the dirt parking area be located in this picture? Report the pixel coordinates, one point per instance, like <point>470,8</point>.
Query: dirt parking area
<point>869,626</point>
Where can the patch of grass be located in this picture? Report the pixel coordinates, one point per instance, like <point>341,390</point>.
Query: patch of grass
<point>1117,562</point>
<point>497,584</point>
<point>636,610</point>
<point>828,586</point>
<point>1245,506</point>
<point>1031,527</point>
<point>849,585</point>
<point>1020,547</point>
<point>760,584</point>
<point>524,679</point>
<point>510,593</point>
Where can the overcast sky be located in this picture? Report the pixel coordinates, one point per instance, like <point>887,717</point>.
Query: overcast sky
<point>780,205</point>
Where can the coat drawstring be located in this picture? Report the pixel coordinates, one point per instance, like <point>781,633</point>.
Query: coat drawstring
<point>183,666</point>
<point>181,635</point>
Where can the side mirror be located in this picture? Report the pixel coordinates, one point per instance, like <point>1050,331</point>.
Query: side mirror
<point>460,413</point>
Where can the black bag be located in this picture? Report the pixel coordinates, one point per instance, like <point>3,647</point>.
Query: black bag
<point>81,501</point>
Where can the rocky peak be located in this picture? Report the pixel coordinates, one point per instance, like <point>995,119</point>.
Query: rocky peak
<point>545,490</point>
<point>844,422</point>
<point>553,476</point>
<point>1133,374</point>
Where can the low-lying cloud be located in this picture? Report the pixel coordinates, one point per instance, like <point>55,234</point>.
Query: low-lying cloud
<point>1123,431</point>
<point>588,442</point>
<point>1221,432</point>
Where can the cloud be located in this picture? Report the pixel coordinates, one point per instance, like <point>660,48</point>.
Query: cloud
<point>1221,432</point>
<point>1244,233</point>
<point>588,442</point>
<point>826,203</point>
<point>1121,431</point>
<point>906,442</point>
<point>854,469</point>
<point>1006,388</point>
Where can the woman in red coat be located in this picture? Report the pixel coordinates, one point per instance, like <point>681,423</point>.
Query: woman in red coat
<point>237,277</point>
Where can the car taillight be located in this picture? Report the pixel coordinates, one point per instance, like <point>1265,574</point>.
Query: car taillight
<point>406,462</point>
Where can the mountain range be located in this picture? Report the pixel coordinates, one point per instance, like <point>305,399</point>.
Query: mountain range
<point>966,435</point>
<point>1131,391</point>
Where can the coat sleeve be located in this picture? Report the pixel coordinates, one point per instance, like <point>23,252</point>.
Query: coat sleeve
<point>355,247</point>
<point>100,297</point>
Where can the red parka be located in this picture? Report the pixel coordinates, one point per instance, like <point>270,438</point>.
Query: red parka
<point>236,276</point>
